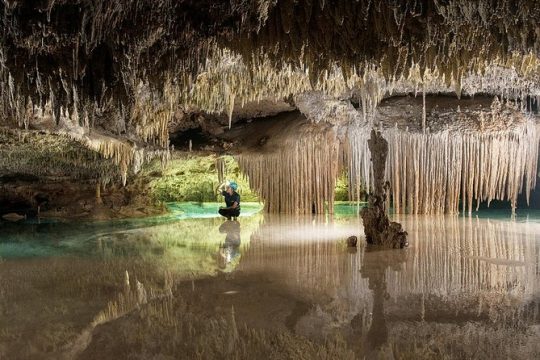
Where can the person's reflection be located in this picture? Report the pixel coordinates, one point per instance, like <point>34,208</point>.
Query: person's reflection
<point>229,251</point>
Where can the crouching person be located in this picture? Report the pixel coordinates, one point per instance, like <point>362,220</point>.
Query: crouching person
<point>232,200</point>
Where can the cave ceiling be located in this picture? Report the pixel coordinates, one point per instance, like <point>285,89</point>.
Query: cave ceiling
<point>114,75</point>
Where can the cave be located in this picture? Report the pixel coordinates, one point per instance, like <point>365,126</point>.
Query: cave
<point>279,179</point>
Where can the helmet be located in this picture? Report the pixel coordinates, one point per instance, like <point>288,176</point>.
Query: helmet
<point>233,185</point>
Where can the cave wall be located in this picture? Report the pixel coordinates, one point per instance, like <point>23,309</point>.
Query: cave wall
<point>50,175</point>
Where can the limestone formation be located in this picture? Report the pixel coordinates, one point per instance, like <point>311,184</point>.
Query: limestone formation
<point>378,228</point>
<point>300,175</point>
<point>476,154</point>
<point>125,66</point>
<point>117,76</point>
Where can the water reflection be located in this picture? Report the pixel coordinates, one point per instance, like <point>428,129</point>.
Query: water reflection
<point>229,251</point>
<point>463,284</point>
<point>461,271</point>
<point>374,268</point>
<point>53,238</point>
<point>447,256</point>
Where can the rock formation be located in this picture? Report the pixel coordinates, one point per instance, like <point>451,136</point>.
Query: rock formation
<point>473,152</point>
<point>378,228</point>
<point>118,76</point>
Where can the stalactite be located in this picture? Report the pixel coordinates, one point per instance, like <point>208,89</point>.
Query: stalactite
<point>372,88</point>
<point>423,108</point>
<point>227,79</point>
<point>46,155</point>
<point>147,58</point>
<point>473,162</point>
<point>221,167</point>
<point>298,177</point>
<point>98,193</point>
<point>124,154</point>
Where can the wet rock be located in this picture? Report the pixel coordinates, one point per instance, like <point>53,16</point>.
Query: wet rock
<point>13,217</point>
<point>352,241</point>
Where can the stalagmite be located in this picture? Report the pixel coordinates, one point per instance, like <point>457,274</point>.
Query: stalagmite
<point>378,228</point>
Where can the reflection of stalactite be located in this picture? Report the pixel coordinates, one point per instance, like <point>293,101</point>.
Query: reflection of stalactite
<point>300,176</point>
<point>461,268</point>
<point>454,260</point>
<point>299,248</point>
<point>455,255</point>
<point>297,251</point>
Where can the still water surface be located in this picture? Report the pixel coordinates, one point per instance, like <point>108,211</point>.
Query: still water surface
<point>467,287</point>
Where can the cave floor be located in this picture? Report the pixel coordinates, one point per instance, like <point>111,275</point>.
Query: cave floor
<point>270,286</point>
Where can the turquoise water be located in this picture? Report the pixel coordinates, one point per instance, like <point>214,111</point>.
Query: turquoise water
<point>49,237</point>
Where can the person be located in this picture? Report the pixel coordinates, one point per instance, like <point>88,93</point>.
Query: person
<point>232,200</point>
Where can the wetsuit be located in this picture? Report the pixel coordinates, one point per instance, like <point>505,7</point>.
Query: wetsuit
<point>229,201</point>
